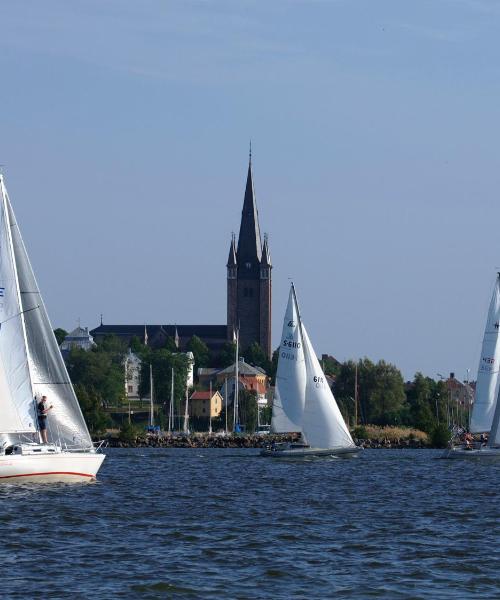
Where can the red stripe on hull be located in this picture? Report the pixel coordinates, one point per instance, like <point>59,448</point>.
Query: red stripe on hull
<point>47,473</point>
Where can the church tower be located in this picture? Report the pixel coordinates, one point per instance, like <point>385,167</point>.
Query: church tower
<point>249,278</point>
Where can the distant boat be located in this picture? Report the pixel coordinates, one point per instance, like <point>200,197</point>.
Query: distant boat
<point>303,399</point>
<point>31,366</point>
<point>486,409</point>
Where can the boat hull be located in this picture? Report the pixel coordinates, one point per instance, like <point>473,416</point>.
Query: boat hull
<point>64,466</point>
<point>484,453</point>
<point>305,451</point>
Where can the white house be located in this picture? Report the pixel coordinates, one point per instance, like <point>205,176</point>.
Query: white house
<point>78,338</point>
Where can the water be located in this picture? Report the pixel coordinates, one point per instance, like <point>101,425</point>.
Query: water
<point>229,524</point>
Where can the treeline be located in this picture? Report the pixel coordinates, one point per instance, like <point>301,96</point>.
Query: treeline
<point>383,396</point>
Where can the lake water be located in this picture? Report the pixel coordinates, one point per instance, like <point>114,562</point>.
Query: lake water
<point>229,524</point>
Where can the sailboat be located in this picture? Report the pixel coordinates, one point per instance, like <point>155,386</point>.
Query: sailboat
<point>486,409</point>
<point>303,399</point>
<point>31,366</point>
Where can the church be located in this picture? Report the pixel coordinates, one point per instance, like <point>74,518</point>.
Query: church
<point>249,294</point>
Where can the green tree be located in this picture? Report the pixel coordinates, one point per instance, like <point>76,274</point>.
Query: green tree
<point>92,408</point>
<point>226,356</point>
<point>60,335</point>
<point>247,405</point>
<point>255,355</point>
<point>200,351</point>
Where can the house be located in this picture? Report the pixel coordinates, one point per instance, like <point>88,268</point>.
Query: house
<point>204,403</point>
<point>78,338</point>
<point>249,378</point>
<point>132,365</point>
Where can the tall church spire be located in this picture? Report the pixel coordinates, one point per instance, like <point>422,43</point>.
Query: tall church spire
<point>249,285</point>
<point>249,241</point>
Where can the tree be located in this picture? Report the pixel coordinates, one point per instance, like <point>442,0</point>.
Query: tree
<point>255,355</point>
<point>60,335</point>
<point>247,405</point>
<point>200,351</point>
<point>91,404</point>
<point>227,355</point>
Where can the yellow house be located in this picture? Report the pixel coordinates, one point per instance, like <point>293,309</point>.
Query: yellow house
<point>205,404</point>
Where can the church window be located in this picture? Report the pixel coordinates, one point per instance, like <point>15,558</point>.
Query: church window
<point>248,265</point>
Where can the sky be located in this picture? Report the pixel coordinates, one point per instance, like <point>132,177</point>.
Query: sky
<point>124,134</point>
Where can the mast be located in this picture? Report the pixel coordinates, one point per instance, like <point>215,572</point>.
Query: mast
<point>236,390</point>
<point>171,408</point>
<point>151,406</point>
<point>210,411</point>
<point>356,395</point>
<point>225,402</point>
<point>186,415</point>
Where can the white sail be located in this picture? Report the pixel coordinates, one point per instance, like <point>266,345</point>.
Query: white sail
<point>289,396</point>
<point>494,437</point>
<point>66,424</point>
<point>487,375</point>
<point>323,424</point>
<point>17,408</point>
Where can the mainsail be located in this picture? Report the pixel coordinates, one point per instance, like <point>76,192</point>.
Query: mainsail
<point>289,394</point>
<point>17,410</point>
<point>46,366</point>
<point>487,375</point>
<point>322,424</point>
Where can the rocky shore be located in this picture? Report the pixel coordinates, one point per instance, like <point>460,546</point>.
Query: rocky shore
<point>241,441</point>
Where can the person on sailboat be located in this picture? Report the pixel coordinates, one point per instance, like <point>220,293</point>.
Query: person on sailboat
<point>42,411</point>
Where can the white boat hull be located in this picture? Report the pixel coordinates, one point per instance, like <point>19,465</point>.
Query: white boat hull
<point>484,453</point>
<point>306,451</point>
<point>63,466</point>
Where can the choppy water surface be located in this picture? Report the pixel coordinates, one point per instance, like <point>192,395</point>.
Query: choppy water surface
<point>227,523</point>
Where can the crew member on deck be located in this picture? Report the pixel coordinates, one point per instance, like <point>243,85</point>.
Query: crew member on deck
<point>42,410</point>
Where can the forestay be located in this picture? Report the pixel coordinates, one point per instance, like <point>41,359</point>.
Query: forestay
<point>289,395</point>
<point>487,375</point>
<point>323,424</point>
<point>17,410</point>
<point>48,371</point>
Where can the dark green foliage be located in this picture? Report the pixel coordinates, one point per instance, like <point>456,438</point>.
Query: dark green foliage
<point>98,371</point>
<point>200,351</point>
<point>255,355</point>
<point>60,335</point>
<point>226,356</point>
<point>440,436</point>
<point>136,345</point>
<point>381,391</point>
<point>360,433</point>
<point>247,404</point>
<point>92,409</point>
<point>128,432</point>
<point>162,362</point>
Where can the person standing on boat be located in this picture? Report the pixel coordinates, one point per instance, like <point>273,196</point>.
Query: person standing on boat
<point>42,411</point>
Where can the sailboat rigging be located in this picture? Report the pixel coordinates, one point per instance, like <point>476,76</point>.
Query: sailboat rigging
<point>303,400</point>
<point>31,367</point>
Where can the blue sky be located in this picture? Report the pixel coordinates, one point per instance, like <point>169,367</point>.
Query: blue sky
<point>375,131</point>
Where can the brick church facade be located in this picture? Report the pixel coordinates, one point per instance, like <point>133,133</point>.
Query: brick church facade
<point>248,294</point>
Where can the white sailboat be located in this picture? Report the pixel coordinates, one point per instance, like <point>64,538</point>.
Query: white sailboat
<point>486,409</point>
<point>31,366</point>
<point>303,399</point>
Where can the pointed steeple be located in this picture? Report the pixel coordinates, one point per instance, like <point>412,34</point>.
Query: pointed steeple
<point>249,241</point>
<point>266,255</point>
<point>231,260</point>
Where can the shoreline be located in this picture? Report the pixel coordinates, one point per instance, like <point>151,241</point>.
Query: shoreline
<point>203,440</point>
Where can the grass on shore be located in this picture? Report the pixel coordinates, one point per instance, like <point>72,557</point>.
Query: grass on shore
<point>377,433</point>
